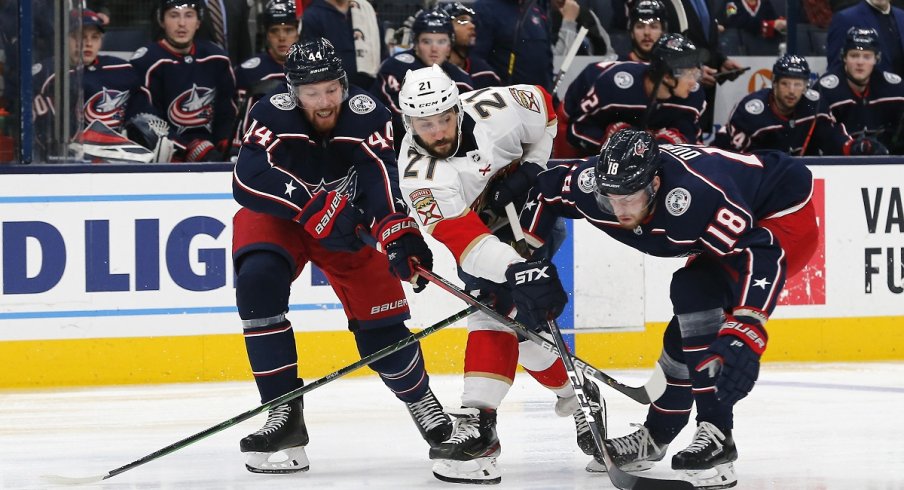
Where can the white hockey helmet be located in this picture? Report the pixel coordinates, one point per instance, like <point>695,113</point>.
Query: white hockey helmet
<point>427,92</point>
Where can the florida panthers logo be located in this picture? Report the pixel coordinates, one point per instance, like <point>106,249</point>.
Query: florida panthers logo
<point>193,108</point>
<point>107,106</point>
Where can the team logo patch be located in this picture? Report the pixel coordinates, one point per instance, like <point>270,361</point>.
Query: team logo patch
<point>640,148</point>
<point>526,99</point>
<point>193,108</point>
<point>677,201</point>
<point>812,95</point>
<point>283,101</point>
<point>754,106</point>
<point>252,63</point>
<point>36,68</point>
<point>829,81</point>
<point>586,181</point>
<point>425,207</point>
<point>406,58</point>
<point>139,53</point>
<point>362,104</point>
<point>107,106</point>
<point>623,79</point>
<point>891,77</point>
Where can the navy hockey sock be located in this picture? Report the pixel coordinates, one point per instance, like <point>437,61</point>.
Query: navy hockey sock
<point>402,372</point>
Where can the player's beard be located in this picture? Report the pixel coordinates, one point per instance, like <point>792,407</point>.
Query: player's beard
<point>433,149</point>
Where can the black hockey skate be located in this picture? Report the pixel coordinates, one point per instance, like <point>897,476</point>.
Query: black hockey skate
<point>636,451</point>
<point>433,423</point>
<point>569,406</point>
<point>284,432</point>
<point>469,456</point>
<point>708,461</point>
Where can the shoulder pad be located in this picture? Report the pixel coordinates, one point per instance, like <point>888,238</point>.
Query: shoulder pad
<point>139,53</point>
<point>892,77</point>
<point>623,79</point>
<point>812,95</point>
<point>251,63</point>
<point>829,81</point>
<point>754,106</point>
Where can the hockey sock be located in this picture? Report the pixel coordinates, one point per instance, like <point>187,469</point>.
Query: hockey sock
<point>402,372</point>
<point>545,367</point>
<point>669,413</point>
<point>491,358</point>
<point>698,330</point>
<point>262,297</point>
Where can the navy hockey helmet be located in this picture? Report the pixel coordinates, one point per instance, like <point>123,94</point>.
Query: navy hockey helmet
<point>165,5</point>
<point>627,164</point>
<point>313,62</point>
<point>434,21</point>
<point>647,11</point>
<point>791,66</point>
<point>862,39</point>
<point>278,12</point>
<point>457,9</point>
<point>673,53</point>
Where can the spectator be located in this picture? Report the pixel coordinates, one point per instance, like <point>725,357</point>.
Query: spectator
<point>464,22</point>
<point>867,102</point>
<point>190,83</point>
<point>432,35</point>
<point>646,24</point>
<point>513,36</point>
<point>757,17</point>
<point>785,117</point>
<point>356,32</point>
<point>662,97</point>
<point>819,14</point>
<point>878,15</point>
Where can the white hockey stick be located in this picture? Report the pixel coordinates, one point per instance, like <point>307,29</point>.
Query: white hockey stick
<point>569,58</point>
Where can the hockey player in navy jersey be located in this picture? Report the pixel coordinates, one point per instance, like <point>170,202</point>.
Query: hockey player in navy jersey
<point>867,103</point>
<point>189,82</point>
<point>745,222</point>
<point>646,24</point>
<point>316,164</point>
<point>663,97</point>
<point>464,22</point>
<point>432,35</point>
<point>784,117</point>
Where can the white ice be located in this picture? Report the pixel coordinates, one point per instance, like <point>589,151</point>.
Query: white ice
<point>806,426</point>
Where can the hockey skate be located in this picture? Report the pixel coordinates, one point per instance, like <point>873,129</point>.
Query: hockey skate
<point>433,423</point>
<point>708,461</point>
<point>569,406</point>
<point>636,451</point>
<point>278,447</point>
<point>469,456</point>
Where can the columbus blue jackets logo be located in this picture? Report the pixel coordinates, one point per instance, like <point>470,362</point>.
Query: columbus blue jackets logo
<point>192,108</point>
<point>107,106</point>
<point>640,147</point>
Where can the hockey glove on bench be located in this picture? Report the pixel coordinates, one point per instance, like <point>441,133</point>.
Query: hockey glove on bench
<point>536,291</point>
<point>733,359</point>
<point>405,247</point>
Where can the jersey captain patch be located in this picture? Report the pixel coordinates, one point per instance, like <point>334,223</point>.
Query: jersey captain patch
<point>677,201</point>
<point>362,104</point>
<point>526,99</point>
<point>425,206</point>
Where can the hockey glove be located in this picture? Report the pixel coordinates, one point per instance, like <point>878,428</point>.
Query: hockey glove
<point>733,359</point>
<point>512,186</point>
<point>537,291</point>
<point>333,221</point>
<point>199,151</point>
<point>669,136</point>
<point>864,146</point>
<point>405,247</point>
<point>614,128</point>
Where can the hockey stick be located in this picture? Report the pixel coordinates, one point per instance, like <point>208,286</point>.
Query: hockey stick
<point>569,58</point>
<point>617,476</point>
<point>376,356</point>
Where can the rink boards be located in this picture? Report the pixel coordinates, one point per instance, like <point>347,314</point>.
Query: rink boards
<point>116,276</point>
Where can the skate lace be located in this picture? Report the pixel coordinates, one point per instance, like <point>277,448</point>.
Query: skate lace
<point>580,421</point>
<point>636,442</point>
<point>465,428</point>
<point>276,419</point>
<point>706,433</point>
<point>427,412</point>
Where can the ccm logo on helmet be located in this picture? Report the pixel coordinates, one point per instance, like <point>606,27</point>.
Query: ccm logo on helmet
<point>529,275</point>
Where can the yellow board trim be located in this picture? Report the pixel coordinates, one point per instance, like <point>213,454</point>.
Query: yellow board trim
<point>113,361</point>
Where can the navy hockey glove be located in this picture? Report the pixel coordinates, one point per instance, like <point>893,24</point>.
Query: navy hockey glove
<point>733,359</point>
<point>405,247</point>
<point>512,186</point>
<point>333,221</point>
<point>537,291</point>
<point>864,146</point>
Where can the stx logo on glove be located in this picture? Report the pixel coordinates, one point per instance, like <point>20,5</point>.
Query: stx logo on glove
<point>531,275</point>
<point>753,337</point>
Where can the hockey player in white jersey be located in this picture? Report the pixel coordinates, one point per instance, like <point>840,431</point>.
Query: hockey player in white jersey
<point>462,161</point>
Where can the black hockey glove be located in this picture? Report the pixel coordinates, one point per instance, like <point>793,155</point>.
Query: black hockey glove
<point>405,247</point>
<point>865,146</point>
<point>333,221</point>
<point>512,186</point>
<point>536,291</point>
<point>733,359</point>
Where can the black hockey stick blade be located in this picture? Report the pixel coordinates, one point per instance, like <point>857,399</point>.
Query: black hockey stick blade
<point>376,356</point>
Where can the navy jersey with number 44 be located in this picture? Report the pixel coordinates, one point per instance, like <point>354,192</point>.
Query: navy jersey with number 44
<point>710,202</point>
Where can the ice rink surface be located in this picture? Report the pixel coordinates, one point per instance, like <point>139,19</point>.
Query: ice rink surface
<point>806,426</point>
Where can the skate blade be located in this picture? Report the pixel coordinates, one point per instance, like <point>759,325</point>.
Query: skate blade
<point>720,476</point>
<point>595,466</point>
<point>290,460</point>
<point>480,471</point>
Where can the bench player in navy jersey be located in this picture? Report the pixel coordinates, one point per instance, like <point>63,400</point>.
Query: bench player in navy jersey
<point>433,37</point>
<point>867,103</point>
<point>745,222</point>
<point>316,164</point>
<point>464,22</point>
<point>189,82</point>
<point>664,96</point>
<point>784,117</point>
<point>646,24</point>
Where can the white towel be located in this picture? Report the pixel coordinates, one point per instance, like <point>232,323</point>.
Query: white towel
<point>367,37</point>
